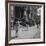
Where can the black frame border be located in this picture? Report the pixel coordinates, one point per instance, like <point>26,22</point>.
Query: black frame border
<point>6,11</point>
